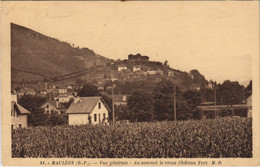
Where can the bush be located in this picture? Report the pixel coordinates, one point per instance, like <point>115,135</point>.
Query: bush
<point>242,112</point>
<point>226,112</point>
<point>40,119</point>
<point>198,114</point>
<point>57,119</point>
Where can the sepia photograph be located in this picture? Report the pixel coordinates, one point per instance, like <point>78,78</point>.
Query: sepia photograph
<point>130,80</point>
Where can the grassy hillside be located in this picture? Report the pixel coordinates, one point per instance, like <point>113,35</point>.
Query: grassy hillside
<point>35,52</point>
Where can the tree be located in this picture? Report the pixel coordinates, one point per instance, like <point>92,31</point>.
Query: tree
<point>38,118</point>
<point>248,90</point>
<point>57,119</point>
<point>183,110</point>
<point>140,106</point>
<point>108,102</point>
<point>163,100</point>
<point>193,98</point>
<point>229,93</point>
<point>89,90</point>
<point>31,102</point>
<point>122,112</point>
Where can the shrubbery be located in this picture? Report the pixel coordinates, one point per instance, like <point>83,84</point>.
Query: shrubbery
<point>41,119</point>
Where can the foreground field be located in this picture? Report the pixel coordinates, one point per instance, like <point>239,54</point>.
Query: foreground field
<point>225,137</point>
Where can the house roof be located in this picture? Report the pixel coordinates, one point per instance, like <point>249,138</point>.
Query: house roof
<point>20,109</point>
<point>24,90</point>
<point>85,105</point>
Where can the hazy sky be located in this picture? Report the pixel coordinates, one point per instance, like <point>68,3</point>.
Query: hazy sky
<point>217,38</point>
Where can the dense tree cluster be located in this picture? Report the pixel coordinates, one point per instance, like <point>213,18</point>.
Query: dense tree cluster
<point>227,93</point>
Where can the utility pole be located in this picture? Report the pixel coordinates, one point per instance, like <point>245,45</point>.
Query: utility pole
<point>174,99</point>
<point>113,108</point>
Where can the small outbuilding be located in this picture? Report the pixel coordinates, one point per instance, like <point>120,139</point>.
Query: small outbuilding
<point>85,110</point>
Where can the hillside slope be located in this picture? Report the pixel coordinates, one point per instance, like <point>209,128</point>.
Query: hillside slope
<point>46,56</point>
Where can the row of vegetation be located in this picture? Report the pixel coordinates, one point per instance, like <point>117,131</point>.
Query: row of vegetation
<point>212,138</point>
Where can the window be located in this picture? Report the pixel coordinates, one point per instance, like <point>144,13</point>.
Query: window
<point>20,125</point>
<point>99,105</point>
<point>12,126</point>
<point>47,106</point>
<point>95,117</point>
<point>99,118</point>
<point>104,116</point>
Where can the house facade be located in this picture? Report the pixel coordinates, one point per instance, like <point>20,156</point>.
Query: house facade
<point>85,110</point>
<point>19,115</point>
<point>53,106</point>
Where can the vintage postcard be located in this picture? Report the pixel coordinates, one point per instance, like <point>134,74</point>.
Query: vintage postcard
<point>130,83</point>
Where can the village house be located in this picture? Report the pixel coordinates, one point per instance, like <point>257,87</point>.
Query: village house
<point>191,76</point>
<point>170,73</point>
<point>64,97</point>
<point>136,68</point>
<point>121,68</point>
<point>159,72</point>
<point>100,86</point>
<point>249,105</point>
<point>151,72</point>
<point>86,110</point>
<point>62,89</point>
<point>43,92</point>
<point>69,87</point>
<point>210,85</point>
<point>119,99</point>
<point>53,106</point>
<point>19,115</point>
<point>197,88</point>
<point>23,91</point>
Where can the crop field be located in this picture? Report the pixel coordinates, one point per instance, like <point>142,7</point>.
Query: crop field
<point>212,138</point>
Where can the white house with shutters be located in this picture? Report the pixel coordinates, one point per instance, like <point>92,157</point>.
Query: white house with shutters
<point>85,110</point>
<point>19,115</point>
